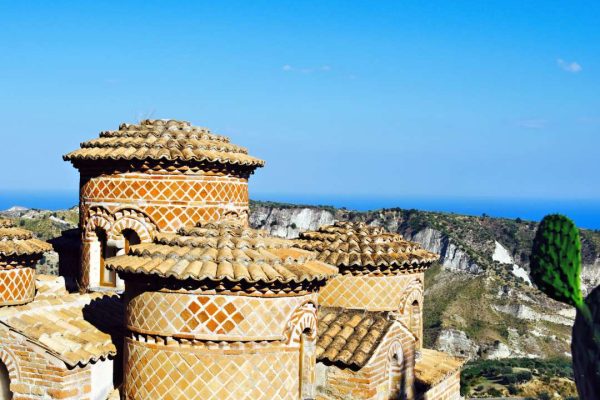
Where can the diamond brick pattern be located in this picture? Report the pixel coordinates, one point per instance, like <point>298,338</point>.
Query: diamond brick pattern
<point>172,218</point>
<point>198,189</point>
<point>168,372</point>
<point>17,286</point>
<point>212,317</point>
<point>171,202</point>
<point>375,293</point>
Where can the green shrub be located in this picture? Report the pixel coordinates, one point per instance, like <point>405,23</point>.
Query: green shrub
<point>544,396</point>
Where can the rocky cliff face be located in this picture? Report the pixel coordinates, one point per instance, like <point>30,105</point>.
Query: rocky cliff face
<point>479,300</point>
<point>452,258</point>
<point>289,221</point>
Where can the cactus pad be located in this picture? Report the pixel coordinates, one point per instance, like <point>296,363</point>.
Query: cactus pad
<point>556,259</point>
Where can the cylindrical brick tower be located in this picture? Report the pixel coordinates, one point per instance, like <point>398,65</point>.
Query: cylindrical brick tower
<point>220,311</point>
<point>156,176</point>
<point>379,270</point>
<point>19,252</point>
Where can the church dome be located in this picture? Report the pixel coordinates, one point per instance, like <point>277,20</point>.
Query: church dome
<point>163,140</point>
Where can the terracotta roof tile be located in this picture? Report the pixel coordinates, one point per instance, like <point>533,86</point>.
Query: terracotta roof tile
<point>17,241</point>
<point>347,337</point>
<point>77,329</point>
<point>223,251</point>
<point>160,139</point>
<point>359,248</point>
<point>433,367</point>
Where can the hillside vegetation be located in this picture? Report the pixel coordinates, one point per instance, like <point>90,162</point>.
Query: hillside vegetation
<point>475,306</point>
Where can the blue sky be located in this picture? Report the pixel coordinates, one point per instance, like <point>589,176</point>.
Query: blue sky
<point>412,98</point>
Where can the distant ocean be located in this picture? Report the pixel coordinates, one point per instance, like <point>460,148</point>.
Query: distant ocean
<point>585,213</point>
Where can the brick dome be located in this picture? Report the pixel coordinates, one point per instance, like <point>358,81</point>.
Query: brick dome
<point>17,244</point>
<point>222,298</point>
<point>156,176</point>
<point>19,252</point>
<point>357,248</point>
<point>170,141</point>
<point>226,255</point>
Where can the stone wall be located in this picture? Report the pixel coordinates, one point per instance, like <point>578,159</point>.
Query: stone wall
<point>212,317</point>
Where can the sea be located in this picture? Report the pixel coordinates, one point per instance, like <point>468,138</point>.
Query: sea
<point>585,212</point>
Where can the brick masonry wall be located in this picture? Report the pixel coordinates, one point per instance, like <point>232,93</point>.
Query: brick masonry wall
<point>448,389</point>
<point>35,375</point>
<point>17,286</point>
<point>170,201</point>
<point>244,371</point>
<point>189,345</point>
<point>375,293</point>
<point>388,373</point>
<point>212,317</point>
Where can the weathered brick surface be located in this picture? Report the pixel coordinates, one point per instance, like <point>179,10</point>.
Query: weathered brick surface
<point>187,346</point>
<point>448,389</point>
<point>379,293</point>
<point>375,293</point>
<point>171,201</point>
<point>35,375</point>
<point>245,371</point>
<point>17,286</point>
<point>388,373</point>
<point>211,317</point>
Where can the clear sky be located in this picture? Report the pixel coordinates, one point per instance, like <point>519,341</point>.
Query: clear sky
<point>378,98</point>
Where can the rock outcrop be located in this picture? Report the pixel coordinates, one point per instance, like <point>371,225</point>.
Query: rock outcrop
<point>479,302</point>
<point>452,257</point>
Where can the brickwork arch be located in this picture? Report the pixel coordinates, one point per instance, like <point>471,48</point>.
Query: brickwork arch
<point>9,360</point>
<point>302,333</point>
<point>302,321</point>
<point>413,292</point>
<point>134,220</point>
<point>395,369</point>
<point>412,310</point>
<point>98,218</point>
<point>395,353</point>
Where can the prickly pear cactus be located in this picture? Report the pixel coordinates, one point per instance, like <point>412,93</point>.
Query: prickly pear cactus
<point>555,268</point>
<point>556,259</point>
<point>586,349</point>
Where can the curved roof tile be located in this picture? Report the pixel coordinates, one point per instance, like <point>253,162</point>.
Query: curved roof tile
<point>77,329</point>
<point>348,338</point>
<point>19,242</point>
<point>360,248</point>
<point>163,140</point>
<point>223,251</point>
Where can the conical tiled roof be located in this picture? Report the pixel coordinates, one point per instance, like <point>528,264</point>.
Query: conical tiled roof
<point>16,242</point>
<point>358,248</point>
<point>223,252</point>
<point>168,140</point>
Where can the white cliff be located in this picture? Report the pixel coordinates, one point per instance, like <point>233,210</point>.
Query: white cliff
<point>452,257</point>
<point>288,222</point>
